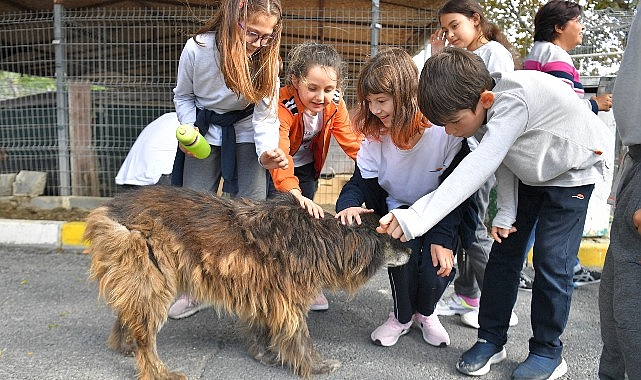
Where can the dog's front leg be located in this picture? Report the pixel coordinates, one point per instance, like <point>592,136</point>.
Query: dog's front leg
<point>259,340</point>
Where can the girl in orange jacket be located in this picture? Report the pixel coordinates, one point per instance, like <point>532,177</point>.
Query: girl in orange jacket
<point>311,110</point>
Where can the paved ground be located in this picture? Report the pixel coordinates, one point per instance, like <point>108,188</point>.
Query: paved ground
<point>52,326</point>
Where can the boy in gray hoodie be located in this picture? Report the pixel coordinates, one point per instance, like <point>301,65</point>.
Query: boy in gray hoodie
<point>547,150</point>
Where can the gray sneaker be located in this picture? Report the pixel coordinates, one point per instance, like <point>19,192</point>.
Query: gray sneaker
<point>525,282</point>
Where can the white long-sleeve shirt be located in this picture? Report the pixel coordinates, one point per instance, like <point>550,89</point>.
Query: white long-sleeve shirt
<point>535,132</point>
<point>200,84</point>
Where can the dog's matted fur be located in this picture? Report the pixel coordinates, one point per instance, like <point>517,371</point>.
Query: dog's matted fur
<point>262,261</point>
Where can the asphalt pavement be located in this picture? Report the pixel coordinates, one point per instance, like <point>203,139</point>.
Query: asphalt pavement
<point>52,326</point>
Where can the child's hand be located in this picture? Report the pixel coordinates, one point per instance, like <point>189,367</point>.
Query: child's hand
<point>498,233</point>
<point>437,41</point>
<point>312,208</point>
<point>636,219</point>
<point>603,101</point>
<point>188,153</point>
<point>352,214</point>
<point>182,148</point>
<point>274,159</point>
<point>389,225</point>
<point>443,257</point>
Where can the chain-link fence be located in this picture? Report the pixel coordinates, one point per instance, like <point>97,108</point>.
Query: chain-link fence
<point>79,85</point>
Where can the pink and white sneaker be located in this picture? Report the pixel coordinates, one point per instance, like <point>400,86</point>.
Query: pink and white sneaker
<point>388,333</point>
<point>320,303</point>
<point>433,331</point>
<point>185,306</point>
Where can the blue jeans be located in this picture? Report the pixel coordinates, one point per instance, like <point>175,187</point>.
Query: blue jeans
<point>560,212</point>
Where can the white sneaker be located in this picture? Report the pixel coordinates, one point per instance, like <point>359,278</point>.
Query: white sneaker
<point>454,305</point>
<point>185,306</point>
<point>472,319</point>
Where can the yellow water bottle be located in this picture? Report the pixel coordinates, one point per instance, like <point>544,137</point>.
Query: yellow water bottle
<point>193,141</point>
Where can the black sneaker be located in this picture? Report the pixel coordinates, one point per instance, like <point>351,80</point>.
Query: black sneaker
<point>525,282</point>
<point>477,360</point>
<point>538,367</point>
<point>584,277</point>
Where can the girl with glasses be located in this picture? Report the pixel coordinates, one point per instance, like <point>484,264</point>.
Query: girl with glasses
<point>227,87</point>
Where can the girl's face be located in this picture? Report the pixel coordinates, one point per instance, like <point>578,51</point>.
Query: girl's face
<point>570,35</point>
<point>461,31</point>
<point>316,90</point>
<point>382,106</point>
<point>257,31</point>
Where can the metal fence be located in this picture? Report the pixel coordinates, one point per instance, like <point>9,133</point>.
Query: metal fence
<point>78,86</point>
<point>81,84</point>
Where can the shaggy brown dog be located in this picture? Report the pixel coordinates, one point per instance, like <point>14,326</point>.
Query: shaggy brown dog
<point>262,261</point>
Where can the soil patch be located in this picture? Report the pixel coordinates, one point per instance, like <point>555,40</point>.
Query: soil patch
<point>10,210</point>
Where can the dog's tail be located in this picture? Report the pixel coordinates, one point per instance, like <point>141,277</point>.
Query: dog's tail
<point>127,271</point>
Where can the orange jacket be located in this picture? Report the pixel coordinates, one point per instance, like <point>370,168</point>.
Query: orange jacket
<point>335,123</point>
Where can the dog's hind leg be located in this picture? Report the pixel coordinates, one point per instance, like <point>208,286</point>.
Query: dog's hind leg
<point>120,338</point>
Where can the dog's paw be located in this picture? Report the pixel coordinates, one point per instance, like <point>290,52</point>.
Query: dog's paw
<point>325,366</point>
<point>165,375</point>
<point>176,376</point>
<point>267,358</point>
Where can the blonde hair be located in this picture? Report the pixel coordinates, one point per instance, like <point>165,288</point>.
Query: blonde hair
<point>253,77</point>
<point>392,71</point>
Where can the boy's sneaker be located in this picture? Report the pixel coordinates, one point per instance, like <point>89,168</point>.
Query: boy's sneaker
<point>388,333</point>
<point>472,319</point>
<point>539,367</point>
<point>477,360</point>
<point>525,282</point>
<point>320,303</point>
<point>433,331</point>
<point>185,306</point>
<point>455,305</point>
<point>584,277</point>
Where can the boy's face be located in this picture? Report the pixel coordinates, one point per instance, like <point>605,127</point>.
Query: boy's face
<point>465,123</point>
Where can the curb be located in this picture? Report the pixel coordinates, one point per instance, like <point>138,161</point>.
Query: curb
<point>43,233</point>
<point>591,253</point>
<point>69,235</point>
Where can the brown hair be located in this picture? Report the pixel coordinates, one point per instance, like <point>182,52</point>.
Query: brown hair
<point>307,55</point>
<point>554,14</point>
<point>491,31</point>
<point>392,71</point>
<point>450,82</point>
<point>253,77</point>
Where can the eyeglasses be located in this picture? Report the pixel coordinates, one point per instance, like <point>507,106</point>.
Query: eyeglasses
<point>251,37</point>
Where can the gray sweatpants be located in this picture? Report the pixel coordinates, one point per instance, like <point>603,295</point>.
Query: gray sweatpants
<point>205,174</point>
<point>620,288</point>
<point>471,263</point>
